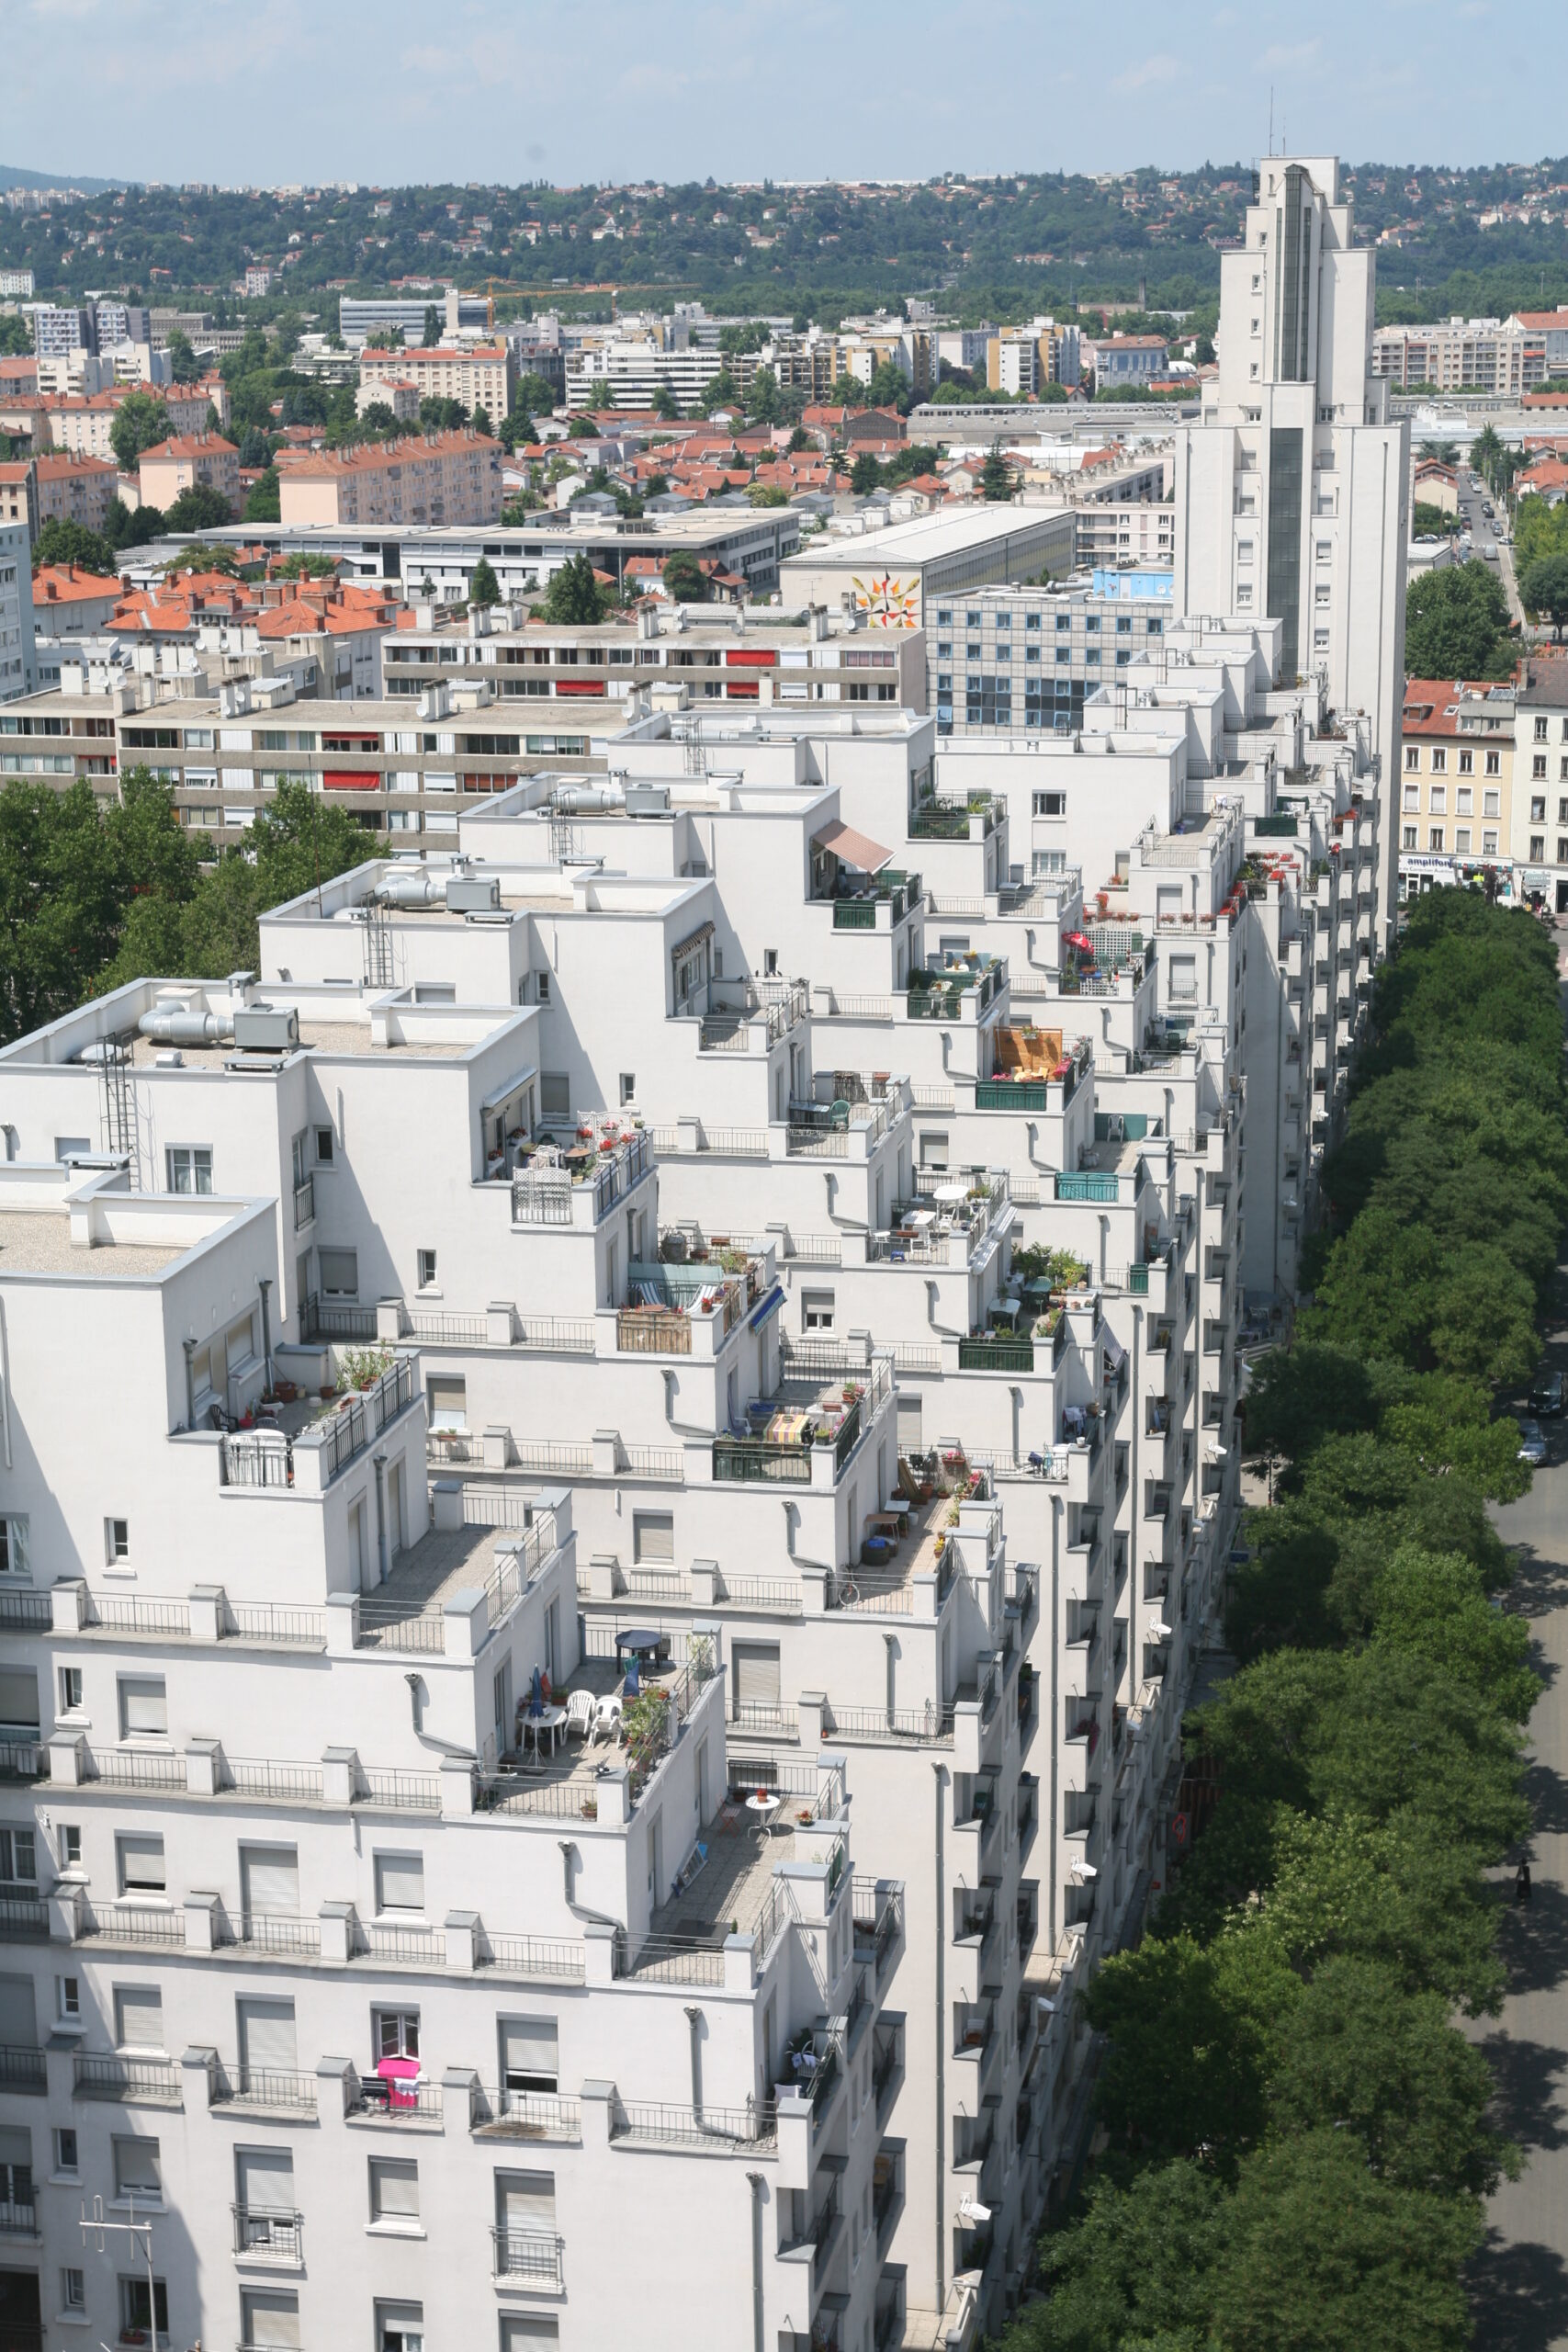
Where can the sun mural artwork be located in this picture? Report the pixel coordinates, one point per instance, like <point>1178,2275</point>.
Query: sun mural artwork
<point>888,602</point>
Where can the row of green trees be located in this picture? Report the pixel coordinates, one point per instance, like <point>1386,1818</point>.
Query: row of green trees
<point>92,894</point>
<point>1298,2141</point>
<point>1456,624</point>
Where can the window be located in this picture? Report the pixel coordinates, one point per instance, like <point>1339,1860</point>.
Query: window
<point>1050,804</point>
<point>1537,809</point>
<point>527,2331</point>
<point>1439,760</point>
<point>1435,837</point>
<point>17,2170</point>
<point>1540,730</point>
<point>530,2059</point>
<point>1439,800</point>
<point>269,2315</point>
<point>139,2016</point>
<point>1488,845</point>
<point>324,1145</point>
<point>140,2311</point>
<point>1413,798</point>
<point>653,1537</point>
<point>143,1706</point>
<point>18,1699</point>
<point>73,2292</point>
<point>339,1272</point>
<point>933,1151</point>
<point>1467,762</point>
<point>70,1689</point>
<point>817,1310</point>
<point>13,1547</point>
<point>1538,768</point>
<point>18,1865</point>
<point>1537,847</point>
<point>400,2327</point>
<point>139,1859</point>
<point>1407,839</point>
<point>191,1167</point>
<point>425,1268</point>
<point>1461,841</point>
<point>68,1839</point>
<point>396,2034</point>
<point>542,991</point>
<point>65,2149</point>
<point>448,1402</point>
<point>117,1539</point>
<point>68,2000</point>
<point>1494,763</point>
<point>1491,802</point>
<point>1464,800</point>
<point>394,2191</point>
<point>136,2170</point>
<point>554,1094</point>
<point>399,1883</point>
<point>1412,758</point>
<point>628,1086</point>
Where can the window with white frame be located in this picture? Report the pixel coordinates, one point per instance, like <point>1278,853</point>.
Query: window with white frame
<point>137,2170</point>
<point>394,2192</point>
<point>191,1167</point>
<point>139,1863</point>
<point>18,1859</point>
<point>339,1272</point>
<point>13,1545</point>
<point>399,1883</point>
<point>143,1706</point>
<point>817,1310</point>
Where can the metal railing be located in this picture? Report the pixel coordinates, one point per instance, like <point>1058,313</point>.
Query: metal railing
<point>129,1923</point>
<point>130,1768</point>
<point>756,2125</point>
<point>129,1614</point>
<point>267,1622</point>
<point>533,1956</point>
<point>22,2069</point>
<point>525,2115</point>
<point>26,1612</point>
<point>399,1792</point>
<point>262,2087</point>
<point>258,1458</point>
<point>277,2234</point>
<point>350,1429</point>
<point>417,1947</point>
<point>278,1782</point>
<point>878,1911</point>
<point>105,2075</point>
<point>671,1960</point>
<point>930,1723</point>
<point>527,2253</point>
<point>273,1931</point>
<point>336,1319</point>
<point>22,1919</point>
<point>397,2101</point>
<point>391,1625</point>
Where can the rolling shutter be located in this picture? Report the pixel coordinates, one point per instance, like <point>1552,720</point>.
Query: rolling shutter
<point>19,2016</point>
<point>143,1703</point>
<point>142,1870</point>
<point>396,2183</point>
<point>526,2201</point>
<point>271,2316</point>
<point>909,1422</point>
<point>653,1537</point>
<point>267,2042</point>
<point>529,2053</point>
<point>269,1880</point>
<point>399,1881</point>
<point>265,2179</point>
<point>18,1696</point>
<point>756,1673</point>
<point>448,1402</point>
<point>139,2013</point>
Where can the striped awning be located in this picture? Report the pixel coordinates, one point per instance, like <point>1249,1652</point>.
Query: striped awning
<point>852,849</point>
<point>693,939</point>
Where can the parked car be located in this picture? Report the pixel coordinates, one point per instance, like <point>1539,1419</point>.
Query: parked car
<point>1548,1395</point>
<point>1532,1445</point>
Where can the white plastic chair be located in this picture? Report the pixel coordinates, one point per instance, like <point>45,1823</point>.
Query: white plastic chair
<point>580,1714</point>
<point>607,1719</point>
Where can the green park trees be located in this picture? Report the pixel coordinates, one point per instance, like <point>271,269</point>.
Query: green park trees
<point>1297,2135</point>
<point>1456,624</point>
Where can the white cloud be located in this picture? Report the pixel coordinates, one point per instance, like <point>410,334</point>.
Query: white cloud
<point>1149,72</point>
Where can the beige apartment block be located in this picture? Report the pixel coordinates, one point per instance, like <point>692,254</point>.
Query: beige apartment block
<point>480,378</point>
<point>185,459</point>
<point>441,477</point>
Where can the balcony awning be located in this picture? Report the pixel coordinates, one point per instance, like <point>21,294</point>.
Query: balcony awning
<point>1115,1353</point>
<point>769,1307</point>
<point>693,939</point>
<point>852,848</point>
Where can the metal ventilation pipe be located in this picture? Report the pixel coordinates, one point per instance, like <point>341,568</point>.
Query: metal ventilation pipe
<point>589,799</point>
<point>172,1023</point>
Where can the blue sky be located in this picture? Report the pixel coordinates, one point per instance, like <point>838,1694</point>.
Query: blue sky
<point>394,90</point>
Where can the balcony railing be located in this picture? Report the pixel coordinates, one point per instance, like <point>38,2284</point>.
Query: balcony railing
<point>264,2086</point>
<point>394,2101</point>
<point>134,2082</point>
<point>527,2253</point>
<point>21,2069</point>
<point>304,1204</point>
<point>741,2129</point>
<point>526,2115</point>
<point>268,2235</point>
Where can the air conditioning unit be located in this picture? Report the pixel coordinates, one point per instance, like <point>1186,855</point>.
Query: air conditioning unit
<point>266,1028</point>
<point>473,894</point>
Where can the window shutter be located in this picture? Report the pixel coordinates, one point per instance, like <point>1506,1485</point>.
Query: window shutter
<point>756,1673</point>
<point>140,2012</point>
<point>269,1879</point>
<point>653,1536</point>
<point>396,2183</point>
<point>144,1705</point>
<point>265,2179</point>
<point>528,2330</point>
<point>15,2149</point>
<point>400,1882</point>
<point>136,2164</point>
<point>267,2036</point>
<point>18,1696</point>
<point>526,2201</point>
<point>340,1271</point>
<point>448,1403</point>
<point>18,2017</point>
<point>909,1422</point>
<point>142,1864</point>
<point>271,2317</point>
<point>529,2053</point>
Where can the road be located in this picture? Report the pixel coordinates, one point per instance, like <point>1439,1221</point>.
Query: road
<point>1521,2277</point>
<point>1484,534</point>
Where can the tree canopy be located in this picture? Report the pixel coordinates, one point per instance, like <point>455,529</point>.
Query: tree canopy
<point>574,597</point>
<point>1455,625</point>
<point>60,541</point>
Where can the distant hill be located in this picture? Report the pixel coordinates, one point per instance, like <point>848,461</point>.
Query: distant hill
<point>11,176</point>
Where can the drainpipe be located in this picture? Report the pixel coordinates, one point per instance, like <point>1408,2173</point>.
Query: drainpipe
<point>890,1645</point>
<point>380,1463</point>
<point>1056,1700</point>
<point>694,2023</point>
<point>755,2179</point>
<point>189,1346</point>
<point>580,1910</point>
<point>1135,1537</point>
<point>264,1285</point>
<point>940,1771</point>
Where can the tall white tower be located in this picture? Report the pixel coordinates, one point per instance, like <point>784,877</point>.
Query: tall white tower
<point>1292,493</point>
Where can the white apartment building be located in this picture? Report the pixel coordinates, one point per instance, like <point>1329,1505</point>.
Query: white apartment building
<point>936,1536</point>
<point>1292,493</point>
<point>1540,805</point>
<point>16,660</point>
<point>1497,355</point>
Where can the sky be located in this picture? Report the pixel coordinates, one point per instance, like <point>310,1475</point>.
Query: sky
<point>390,91</point>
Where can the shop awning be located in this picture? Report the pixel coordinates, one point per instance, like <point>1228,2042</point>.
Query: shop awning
<point>853,849</point>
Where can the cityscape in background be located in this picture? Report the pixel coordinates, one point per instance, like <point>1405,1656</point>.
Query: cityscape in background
<point>666,1364</point>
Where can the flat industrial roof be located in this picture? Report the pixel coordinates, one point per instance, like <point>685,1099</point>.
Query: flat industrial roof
<point>927,537</point>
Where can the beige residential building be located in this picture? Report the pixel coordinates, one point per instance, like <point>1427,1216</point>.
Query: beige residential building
<point>442,478</point>
<point>1461,354</point>
<point>82,423</point>
<point>1456,804</point>
<point>481,377</point>
<point>185,459</point>
<point>75,490</point>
